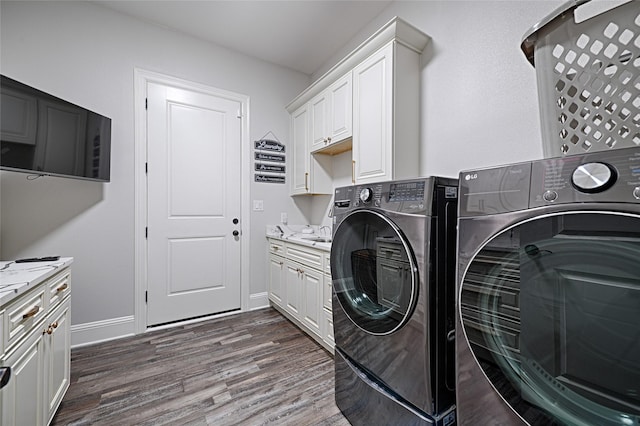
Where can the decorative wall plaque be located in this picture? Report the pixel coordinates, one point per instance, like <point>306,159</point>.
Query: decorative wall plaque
<point>269,150</point>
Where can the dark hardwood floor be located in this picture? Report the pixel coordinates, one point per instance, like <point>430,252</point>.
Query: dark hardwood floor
<point>253,368</point>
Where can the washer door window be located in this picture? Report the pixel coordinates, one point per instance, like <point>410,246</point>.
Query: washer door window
<point>551,310</point>
<point>374,274</point>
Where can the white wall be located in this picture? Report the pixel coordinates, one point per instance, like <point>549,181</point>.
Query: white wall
<point>87,54</point>
<point>479,103</point>
<point>478,108</point>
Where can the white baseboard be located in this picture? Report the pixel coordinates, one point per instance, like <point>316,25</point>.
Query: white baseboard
<point>102,331</point>
<point>116,328</point>
<point>258,301</point>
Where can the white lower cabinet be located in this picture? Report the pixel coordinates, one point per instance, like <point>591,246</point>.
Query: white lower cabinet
<point>22,397</point>
<point>276,279</point>
<point>312,281</point>
<point>298,288</point>
<point>57,359</point>
<point>293,288</point>
<point>38,350</point>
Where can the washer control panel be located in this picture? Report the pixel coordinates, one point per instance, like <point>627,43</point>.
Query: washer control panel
<point>605,176</point>
<point>412,196</point>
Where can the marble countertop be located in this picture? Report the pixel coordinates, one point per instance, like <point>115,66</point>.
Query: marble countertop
<point>18,278</point>
<point>301,235</point>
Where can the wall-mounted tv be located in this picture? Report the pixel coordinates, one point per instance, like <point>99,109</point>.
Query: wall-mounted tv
<point>45,135</point>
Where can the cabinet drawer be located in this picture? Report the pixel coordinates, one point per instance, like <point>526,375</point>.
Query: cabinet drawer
<point>304,255</point>
<point>59,287</point>
<point>23,314</point>
<point>276,247</point>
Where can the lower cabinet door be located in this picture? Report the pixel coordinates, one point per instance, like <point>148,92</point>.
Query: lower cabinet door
<point>57,347</point>
<point>312,282</point>
<point>293,288</point>
<point>21,398</point>
<point>276,280</point>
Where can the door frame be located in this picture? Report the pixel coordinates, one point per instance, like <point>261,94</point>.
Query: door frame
<point>141,79</point>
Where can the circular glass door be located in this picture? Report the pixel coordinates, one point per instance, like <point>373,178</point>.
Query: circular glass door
<point>374,273</point>
<point>551,311</point>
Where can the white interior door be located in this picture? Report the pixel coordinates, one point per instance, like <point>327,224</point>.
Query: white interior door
<point>193,204</point>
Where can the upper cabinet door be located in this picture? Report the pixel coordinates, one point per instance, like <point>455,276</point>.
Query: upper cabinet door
<point>300,161</point>
<point>372,117</point>
<point>341,118</point>
<point>331,115</point>
<point>319,107</point>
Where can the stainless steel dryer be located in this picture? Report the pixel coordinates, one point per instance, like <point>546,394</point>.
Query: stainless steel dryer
<point>393,269</point>
<point>548,324</point>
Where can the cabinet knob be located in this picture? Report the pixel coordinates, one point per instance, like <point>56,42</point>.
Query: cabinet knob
<point>49,330</point>
<point>54,324</point>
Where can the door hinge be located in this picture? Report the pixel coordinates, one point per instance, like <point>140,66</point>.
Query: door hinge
<point>146,168</point>
<point>146,232</point>
<point>239,114</point>
<point>146,103</point>
<point>146,296</point>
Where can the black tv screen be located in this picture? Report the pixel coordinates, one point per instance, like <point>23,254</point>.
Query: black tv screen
<point>45,135</point>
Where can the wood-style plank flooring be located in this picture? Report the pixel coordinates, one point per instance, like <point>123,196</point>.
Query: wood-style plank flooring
<point>252,368</point>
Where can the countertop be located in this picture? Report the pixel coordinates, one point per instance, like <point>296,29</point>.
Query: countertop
<point>18,278</point>
<point>295,235</point>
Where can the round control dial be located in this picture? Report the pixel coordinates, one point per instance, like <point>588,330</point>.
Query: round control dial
<point>593,177</point>
<point>366,194</point>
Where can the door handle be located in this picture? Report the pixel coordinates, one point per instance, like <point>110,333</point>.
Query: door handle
<point>353,171</point>
<point>235,233</point>
<point>235,221</point>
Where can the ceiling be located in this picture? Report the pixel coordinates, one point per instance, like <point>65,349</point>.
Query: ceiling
<point>301,35</point>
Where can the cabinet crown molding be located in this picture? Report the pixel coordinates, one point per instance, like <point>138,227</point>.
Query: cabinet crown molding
<point>396,30</point>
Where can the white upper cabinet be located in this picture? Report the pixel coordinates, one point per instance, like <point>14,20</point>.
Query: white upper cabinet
<point>300,158</point>
<point>373,94</point>
<point>369,104</point>
<point>386,115</point>
<point>309,175</point>
<point>331,115</point>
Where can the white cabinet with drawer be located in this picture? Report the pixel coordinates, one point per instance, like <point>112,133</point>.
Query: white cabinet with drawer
<point>298,288</point>
<point>36,343</point>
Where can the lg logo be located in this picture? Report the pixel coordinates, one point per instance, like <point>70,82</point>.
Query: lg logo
<point>471,176</point>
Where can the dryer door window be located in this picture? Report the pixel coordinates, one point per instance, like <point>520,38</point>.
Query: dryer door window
<point>551,310</point>
<point>374,273</point>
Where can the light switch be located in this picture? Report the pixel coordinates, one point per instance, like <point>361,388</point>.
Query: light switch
<point>258,205</point>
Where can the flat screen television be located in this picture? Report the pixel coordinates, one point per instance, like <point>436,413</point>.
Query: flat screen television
<point>44,135</point>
